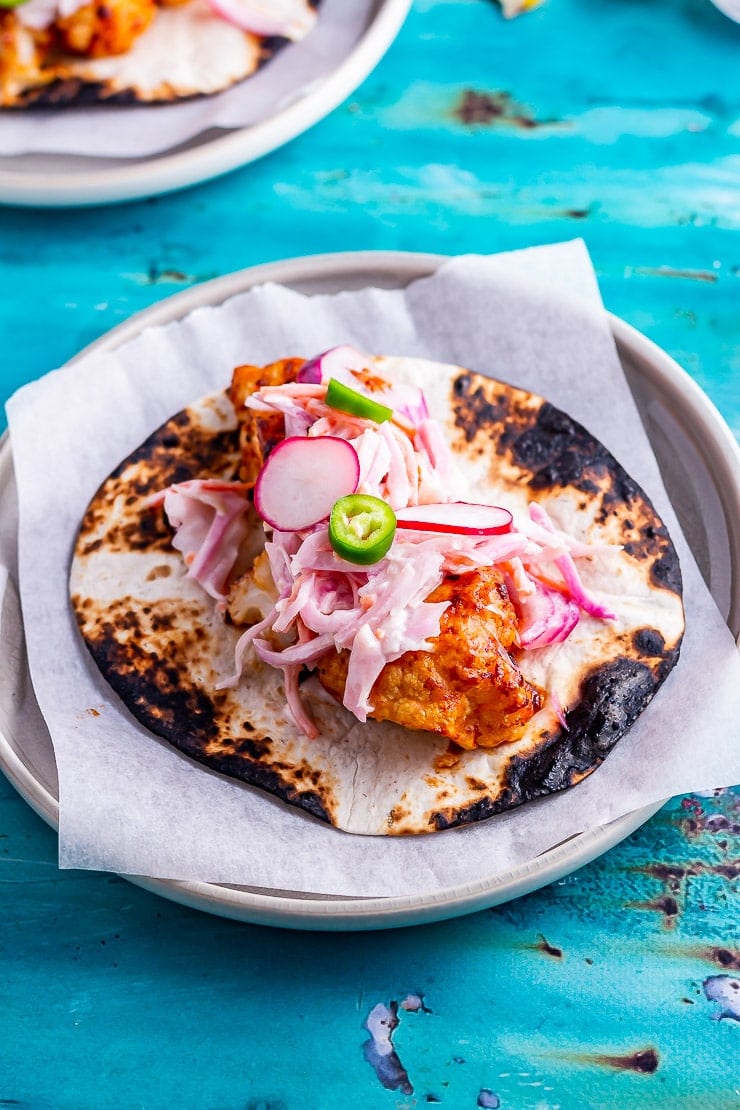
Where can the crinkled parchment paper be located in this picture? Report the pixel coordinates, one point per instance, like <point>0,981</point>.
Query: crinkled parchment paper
<point>110,131</point>
<point>131,804</point>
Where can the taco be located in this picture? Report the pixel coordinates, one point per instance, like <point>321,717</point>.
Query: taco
<point>76,52</point>
<point>396,594</point>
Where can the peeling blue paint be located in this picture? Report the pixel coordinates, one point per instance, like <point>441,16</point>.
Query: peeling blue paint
<point>725,991</point>
<point>379,1052</point>
<point>487,1100</point>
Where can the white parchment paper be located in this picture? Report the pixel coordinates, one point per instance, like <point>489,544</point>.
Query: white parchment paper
<point>110,131</point>
<point>131,804</point>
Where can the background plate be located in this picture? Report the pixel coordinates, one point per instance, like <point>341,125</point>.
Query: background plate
<point>700,462</point>
<point>51,180</point>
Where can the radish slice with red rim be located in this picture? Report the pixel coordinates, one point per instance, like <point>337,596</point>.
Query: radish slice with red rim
<point>302,478</point>
<point>459,517</point>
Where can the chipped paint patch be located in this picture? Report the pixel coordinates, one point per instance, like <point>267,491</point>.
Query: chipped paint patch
<point>414,1004</point>
<point>644,1061</point>
<point>723,956</point>
<point>675,879</point>
<point>487,1099</point>
<point>666,905</point>
<point>487,108</point>
<point>725,991</point>
<point>166,275</point>
<point>543,945</point>
<point>703,821</point>
<point>379,1052</point>
<point>672,272</point>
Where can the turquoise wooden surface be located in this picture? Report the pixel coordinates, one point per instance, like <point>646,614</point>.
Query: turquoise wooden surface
<point>617,987</point>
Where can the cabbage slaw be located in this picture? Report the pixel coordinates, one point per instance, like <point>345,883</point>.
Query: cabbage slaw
<point>376,613</point>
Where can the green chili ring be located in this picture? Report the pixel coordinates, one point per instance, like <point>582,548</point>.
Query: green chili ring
<point>345,399</point>
<point>361,528</point>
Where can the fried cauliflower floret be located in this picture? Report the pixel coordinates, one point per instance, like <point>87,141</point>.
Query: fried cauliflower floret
<point>98,30</point>
<point>467,688</point>
<point>259,431</point>
<point>22,54</point>
<point>252,594</point>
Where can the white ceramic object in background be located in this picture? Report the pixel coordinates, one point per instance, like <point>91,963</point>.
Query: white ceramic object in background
<point>58,181</point>
<point>730,8</point>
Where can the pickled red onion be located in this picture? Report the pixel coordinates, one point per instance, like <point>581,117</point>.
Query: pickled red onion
<point>337,362</point>
<point>547,617</point>
<point>210,522</point>
<point>567,567</point>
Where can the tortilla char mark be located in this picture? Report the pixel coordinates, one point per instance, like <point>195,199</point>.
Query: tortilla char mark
<point>546,450</point>
<point>197,442</point>
<point>70,91</point>
<point>489,410</point>
<point>158,655</point>
<point>63,91</point>
<point>150,657</point>
<point>612,696</point>
<point>186,446</point>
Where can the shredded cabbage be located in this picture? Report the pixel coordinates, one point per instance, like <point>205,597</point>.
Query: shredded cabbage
<point>380,612</point>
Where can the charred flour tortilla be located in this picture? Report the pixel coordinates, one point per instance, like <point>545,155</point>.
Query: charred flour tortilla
<point>158,641</point>
<point>185,50</point>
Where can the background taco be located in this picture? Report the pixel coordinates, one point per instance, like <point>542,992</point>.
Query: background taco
<point>66,52</point>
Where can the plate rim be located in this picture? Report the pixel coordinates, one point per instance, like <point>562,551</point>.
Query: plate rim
<point>337,913</point>
<point>330,913</point>
<point>166,173</point>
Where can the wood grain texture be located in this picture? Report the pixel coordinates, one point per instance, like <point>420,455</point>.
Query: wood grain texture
<point>618,122</point>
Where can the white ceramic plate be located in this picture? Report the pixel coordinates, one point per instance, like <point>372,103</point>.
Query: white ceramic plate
<point>50,180</point>
<point>700,462</point>
<point>730,8</point>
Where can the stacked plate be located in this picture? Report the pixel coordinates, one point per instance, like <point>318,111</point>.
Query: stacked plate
<point>56,180</point>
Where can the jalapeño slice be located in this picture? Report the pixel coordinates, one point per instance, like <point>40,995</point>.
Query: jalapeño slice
<point>361,528</point>
<point>343,397</point>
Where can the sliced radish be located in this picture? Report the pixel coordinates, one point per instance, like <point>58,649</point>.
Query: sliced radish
<point>456,516</point>
<point>291,19</point>
<point>301,480</point>
<point>337,362</point>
